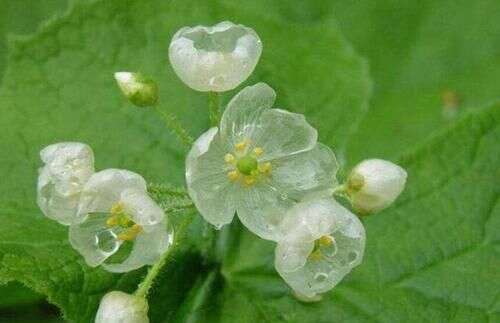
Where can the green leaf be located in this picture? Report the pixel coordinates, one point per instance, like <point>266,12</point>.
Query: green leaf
<point>433,257</point>
<point>23,17</point>
<point>59,86</point>
<point>418,50</point>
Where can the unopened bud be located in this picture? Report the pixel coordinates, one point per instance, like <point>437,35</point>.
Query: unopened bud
<point>120,307</point>
<point>138,89</point>
<point>374,184</point>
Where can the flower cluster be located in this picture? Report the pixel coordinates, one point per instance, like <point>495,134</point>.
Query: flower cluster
<point>106,211</point>
<point>261,163</point>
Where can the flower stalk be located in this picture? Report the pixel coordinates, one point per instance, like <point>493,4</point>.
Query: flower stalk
<point>214,108</point>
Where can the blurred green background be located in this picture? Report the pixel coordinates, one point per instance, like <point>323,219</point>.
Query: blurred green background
<point>418,66</point>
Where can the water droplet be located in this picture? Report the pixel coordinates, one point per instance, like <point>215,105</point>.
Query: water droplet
<point>106,241</point>
<point>320,277</point>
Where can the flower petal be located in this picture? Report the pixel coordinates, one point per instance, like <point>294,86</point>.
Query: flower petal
<point>261,209</point>
<point>244,110</point>
<point>67,168</point>
<point>305,173</point>
<point>104,189</point>
<point>149,245</point>
<point>207,182</point>
<point>320,275</point>
<point>93,240</point>
<point>291,257</point>
<point>282,133</point>
<point>143,210</point>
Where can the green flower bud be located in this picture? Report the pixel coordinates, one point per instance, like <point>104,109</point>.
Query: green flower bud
<point>138,89</point>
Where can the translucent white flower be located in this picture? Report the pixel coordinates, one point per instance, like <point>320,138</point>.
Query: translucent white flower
<point>374,184</point>
<point>322,244</point>
<point>124,228</point>
<point>67,168</point>
<point>137,88</point>
<point>120,307</point>
<point>256,163</point>
<point>216,58</point>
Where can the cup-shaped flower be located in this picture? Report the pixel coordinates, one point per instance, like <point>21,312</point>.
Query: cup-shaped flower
<point>256,163</point>
<point>323,243</point>
<point>374,184</point>
<point>137,88</point>
<point>67,168</point>
<point>216,58</point>
<point>120,307</point>
<point>124,228</point>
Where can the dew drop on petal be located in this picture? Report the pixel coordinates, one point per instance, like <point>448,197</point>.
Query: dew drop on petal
<point>320,277</point>
<point>106,241</point>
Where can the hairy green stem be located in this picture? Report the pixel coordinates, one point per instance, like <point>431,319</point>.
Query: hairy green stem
<point>214,108</point>
<point>176,127</point>
<point>148,281</point>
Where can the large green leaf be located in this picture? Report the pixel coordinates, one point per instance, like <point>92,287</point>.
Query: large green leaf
<point>418,50</point>
<point>59,86</point>
<point>433,257</point>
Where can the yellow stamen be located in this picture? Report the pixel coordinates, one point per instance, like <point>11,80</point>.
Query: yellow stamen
<point>316,255</point>
<point>326,241</point>
<point>112,221</point>
<point>258,151</point>
<point>265,168</point>
<point>117,208</point>
<point>241,145</point>
<point>233,175</point>
<point>249,180</point>
<point>229,158</point>
<point>131,233</point>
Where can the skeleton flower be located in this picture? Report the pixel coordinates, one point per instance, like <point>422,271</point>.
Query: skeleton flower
<point>216,58</point>
<point>67,168</point>
<point>256,163</point>
<point>120,307</point>
<point>323,243</point>
<point>119,216</point>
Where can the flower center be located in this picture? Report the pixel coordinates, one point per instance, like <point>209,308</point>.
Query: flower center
<point>324,247</point>
<point>247,165</point>
<point>244,166</point>
<point>120,220</point>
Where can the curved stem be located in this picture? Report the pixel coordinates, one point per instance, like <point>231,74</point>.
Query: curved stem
<point>176,127</point>
<point>148,281</point>
<point>214,108</point>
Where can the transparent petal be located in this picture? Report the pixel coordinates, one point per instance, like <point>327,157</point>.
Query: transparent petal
<point>207,182</point>
<point>244,110</point>
<point>320,275</point>
<point>67,168</point>
<point>305,173</point>
<point>94,240</point>
<point>214,58</point>
<point>149,245</point>
<point>119,307</point>
<point>261,209</point>
<point>141,207</point>
<point>281,133</point>
<point>104,189</point>
<point>290,257</point>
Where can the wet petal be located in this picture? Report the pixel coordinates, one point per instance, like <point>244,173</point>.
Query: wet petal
<point>216,58</point>
<point>282,133</point>
<point>261,209</point>
<point>141,207</point>
<point>305,173</point>
<point>149,245</point>
<point>94,240</point>
<point>104,189</point>
<point>67,168</point>
<point>207,182</point>
<point>290,257</point>
<point>241,117</point>
<point>313,219</point>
